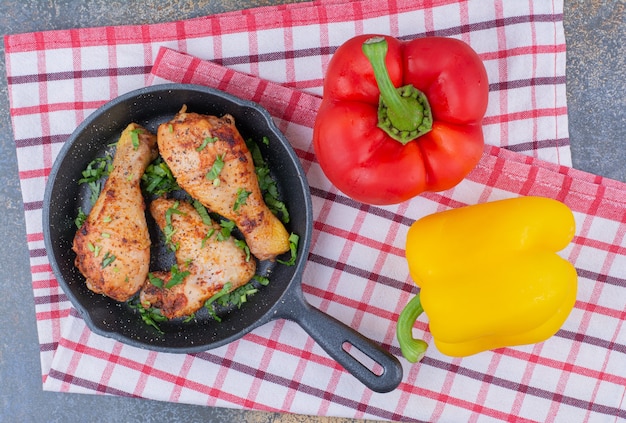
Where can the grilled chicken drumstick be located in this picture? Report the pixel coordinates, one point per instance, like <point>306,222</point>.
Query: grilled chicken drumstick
<point>113,245</point>
<point>210,161</point>
<point>205,263</point>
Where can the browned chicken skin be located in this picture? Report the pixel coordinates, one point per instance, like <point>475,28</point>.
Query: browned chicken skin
<point>195,147</point>
<point>113,245</point>
<point>211,262</point>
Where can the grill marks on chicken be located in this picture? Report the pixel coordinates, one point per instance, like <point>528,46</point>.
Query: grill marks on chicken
<point>210,160</point>
<point>211,263</point>
<point>113,245</point>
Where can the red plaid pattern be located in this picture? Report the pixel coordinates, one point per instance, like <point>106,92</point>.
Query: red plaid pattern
<point>356,271</point>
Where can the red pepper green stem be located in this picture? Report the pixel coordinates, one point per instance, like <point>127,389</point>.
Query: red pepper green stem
<point>404,113</point>
<point>412,349</point>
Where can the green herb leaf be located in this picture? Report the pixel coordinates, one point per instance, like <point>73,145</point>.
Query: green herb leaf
<point>107,259</point>
<point>158,178</point>
<point>98,168</point>
<point>208,304</point>
<point>293,248</point>
<point>225,290</point>
<point>154,280</point>
<point>134,137</point>
<point>238,296</point>
<point>277,207</point>
<point>267,184</point>
<point>149,316</point>
<point>208,235</point>
<point>225,297</point>
<point>94,188</point>
<point>95,249</point>
<point>81,218</point>
<point>216,169</point>
<point>202,211</point>
<point>263,280</point>
<point>227,228</point>
<point>177,276</point>
<point>168,233</point>
<point>169,230</point>
<point>205,142</point>
<point>242,196</point>
<point>242,244</point>
<point>172,210</point>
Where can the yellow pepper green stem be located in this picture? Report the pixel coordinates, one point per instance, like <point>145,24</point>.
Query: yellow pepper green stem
<point>412,349</point>
<point>404,113</point>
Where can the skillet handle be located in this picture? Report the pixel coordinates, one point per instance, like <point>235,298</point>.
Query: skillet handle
<point>333,336</point>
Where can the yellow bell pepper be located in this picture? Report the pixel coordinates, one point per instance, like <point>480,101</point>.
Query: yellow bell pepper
<point>489,276</point>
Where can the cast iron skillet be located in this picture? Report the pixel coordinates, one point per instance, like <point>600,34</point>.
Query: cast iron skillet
<point>282,298</point>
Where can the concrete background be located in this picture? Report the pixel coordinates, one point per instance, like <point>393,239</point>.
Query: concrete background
<point>596,95</point>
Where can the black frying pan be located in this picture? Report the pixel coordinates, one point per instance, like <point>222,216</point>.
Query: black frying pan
<point>282,298</point>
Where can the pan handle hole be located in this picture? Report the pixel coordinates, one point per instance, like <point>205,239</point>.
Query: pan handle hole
<point>363,358</point>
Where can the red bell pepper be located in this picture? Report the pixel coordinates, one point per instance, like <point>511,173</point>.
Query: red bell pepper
<point>380,144</point>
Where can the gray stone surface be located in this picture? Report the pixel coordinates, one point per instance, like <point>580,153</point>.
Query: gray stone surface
<point>596,98</point>
<point>595,33</point>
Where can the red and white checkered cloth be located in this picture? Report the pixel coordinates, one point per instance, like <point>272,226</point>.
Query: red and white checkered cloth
<point>356,270</point>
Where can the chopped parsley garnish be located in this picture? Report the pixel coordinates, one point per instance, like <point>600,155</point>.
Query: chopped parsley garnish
<point>158,178</point>
<point>237,297</point>
<point>277,207</point>
<point>262,280</point>
<point>95,249</point>
<point>227,228</point>
<point>266,182</point>
<point>172,210</point>
<point>155,280</point>
<point>177,276</point>
<point>169,230</point>
<point>216,169</point>
<point>242,197</point>
<point>202,211</point>
<point>81,218</point>
<point>97,169</point>
<point>293,248</point>
<point>150,316</point>
<point>107,259</point>
<point>242,244</point>
<point>205,142</point>
<point>94,189</point>
<point>208,235</point>
<point>208,304</point>
<point>206,219</point>
<point>134,137</point>
<point>168,233</point>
